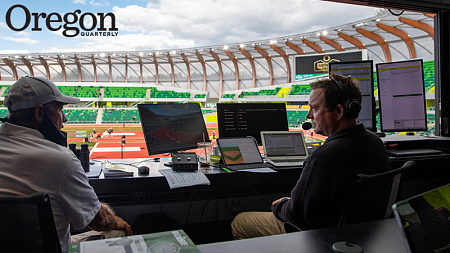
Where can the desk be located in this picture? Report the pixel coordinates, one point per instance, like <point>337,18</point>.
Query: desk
<point>154,189</point>
<point>378,236</point>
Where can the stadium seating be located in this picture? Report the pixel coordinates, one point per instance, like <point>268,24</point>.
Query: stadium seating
<point>80,91</point>
<point>271,92</point>
<point>300,89</point>
<point>120,116</point>
<point>228,95</point>
<point>296,117</point>
<point>125,92</point>
<point>155,93</point>
<point>81,116</point>
<point>200,96</point>
<point>3,112</point>
<point>7,88</point>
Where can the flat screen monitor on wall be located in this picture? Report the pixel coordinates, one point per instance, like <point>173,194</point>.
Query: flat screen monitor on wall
<point>249,119</point>
<point>401,96</point>
<point>363,72</point>
<point>172,127</point>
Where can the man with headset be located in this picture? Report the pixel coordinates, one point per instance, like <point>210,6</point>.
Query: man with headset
<point>319,197</point>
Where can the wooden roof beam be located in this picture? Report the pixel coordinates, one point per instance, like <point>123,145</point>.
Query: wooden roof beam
<point>332,43</point>
<point>379,40</point>
<point>403,35</point>
<point>286,60</point>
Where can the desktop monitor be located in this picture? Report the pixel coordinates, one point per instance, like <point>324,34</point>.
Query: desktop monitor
<point>401,96</point>
<point>363,72</point>
<point>172,127</point>
<point>249,119</point>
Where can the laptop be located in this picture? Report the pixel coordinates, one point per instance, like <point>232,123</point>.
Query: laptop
<point>284,148</point>
<point>423,220</point>
<point>239,153</point>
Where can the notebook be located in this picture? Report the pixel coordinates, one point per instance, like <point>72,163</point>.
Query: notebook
<point>423,220</point>
<point>284,148</point>
<point>239,153</point>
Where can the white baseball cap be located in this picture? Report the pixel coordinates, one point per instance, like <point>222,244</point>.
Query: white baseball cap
<point>28,92</point>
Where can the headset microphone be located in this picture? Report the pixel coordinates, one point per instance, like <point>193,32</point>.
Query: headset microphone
<point>352,107</point>
<point>306,125</point>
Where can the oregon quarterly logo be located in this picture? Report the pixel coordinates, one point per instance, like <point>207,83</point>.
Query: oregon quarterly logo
<point>53,22</point>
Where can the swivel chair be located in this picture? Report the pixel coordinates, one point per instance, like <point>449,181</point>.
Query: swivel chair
<point>376,208</point>
<point>27,224</point>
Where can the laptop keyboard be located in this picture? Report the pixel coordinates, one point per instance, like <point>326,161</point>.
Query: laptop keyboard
<point>249,166</point>
<point>287,160</point>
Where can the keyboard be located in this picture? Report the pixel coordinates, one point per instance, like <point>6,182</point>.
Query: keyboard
<point>249,166</point>
<point>287,160</point>
<point>414,152</point>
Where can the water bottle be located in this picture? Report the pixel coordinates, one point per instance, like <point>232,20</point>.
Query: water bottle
<point>84,157</point>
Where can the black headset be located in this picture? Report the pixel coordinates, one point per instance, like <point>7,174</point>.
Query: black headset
<point>352,107</point>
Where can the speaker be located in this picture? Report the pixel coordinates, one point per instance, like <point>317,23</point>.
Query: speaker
<point>352,107</point>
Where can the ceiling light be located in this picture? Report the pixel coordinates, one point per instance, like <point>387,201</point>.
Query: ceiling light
<point>273,42</point>
<point>241,45</point>
<point>324,33</point>
<point>225,47</point>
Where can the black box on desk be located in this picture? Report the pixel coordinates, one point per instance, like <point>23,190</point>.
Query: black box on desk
<point>184,161</point>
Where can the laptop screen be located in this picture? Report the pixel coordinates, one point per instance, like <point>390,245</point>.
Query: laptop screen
<point>284,144</point>
<point>425,221</point>
<point>239,150</point>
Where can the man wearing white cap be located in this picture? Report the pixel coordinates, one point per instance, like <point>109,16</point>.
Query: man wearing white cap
<point>34,158</point>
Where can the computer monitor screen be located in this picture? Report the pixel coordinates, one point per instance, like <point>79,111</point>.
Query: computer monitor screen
<point>363,72</point>
<point>401,96</point>
<point>249,119</point>
<point>172,127</point>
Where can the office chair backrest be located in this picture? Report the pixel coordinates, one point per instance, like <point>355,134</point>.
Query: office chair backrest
<point>27,224</point>
<point>363,204</point>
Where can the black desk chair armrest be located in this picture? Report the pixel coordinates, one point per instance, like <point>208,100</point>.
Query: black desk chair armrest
<point>362,178</point>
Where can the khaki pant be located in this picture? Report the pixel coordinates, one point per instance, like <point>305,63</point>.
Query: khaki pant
<point>256,224</point>
<point>108,234</point>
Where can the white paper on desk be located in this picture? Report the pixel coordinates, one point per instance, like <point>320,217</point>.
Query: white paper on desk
<point>115,245</point>
<point>183,179</point>
<point>260,170</point>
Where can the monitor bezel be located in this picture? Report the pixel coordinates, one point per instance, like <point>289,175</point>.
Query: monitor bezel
<point>380,103</point>
<point>257,137</point>
<point>175,149</point>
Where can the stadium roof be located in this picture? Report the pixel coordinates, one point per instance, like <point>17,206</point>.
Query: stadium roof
<point>386,37</point>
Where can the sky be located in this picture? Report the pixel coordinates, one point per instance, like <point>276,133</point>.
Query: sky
<point>159,24</point>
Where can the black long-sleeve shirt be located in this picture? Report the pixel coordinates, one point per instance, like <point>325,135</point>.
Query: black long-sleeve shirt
<point>321,192</point>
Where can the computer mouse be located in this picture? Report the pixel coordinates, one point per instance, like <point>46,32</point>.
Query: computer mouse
<point>144,170</point>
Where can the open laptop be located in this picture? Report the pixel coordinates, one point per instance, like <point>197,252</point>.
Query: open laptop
<point>239,153</point>
<point>423,220</point>
<point>284,148</point>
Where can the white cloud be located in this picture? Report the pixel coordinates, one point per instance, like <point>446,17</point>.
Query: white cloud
<point>210,22</point>
<point>79,1</point>
<point>23,34</point>
<point>101,3</point>
<point>128,42</point>
<point>3,26</point>
<point>26,41</point>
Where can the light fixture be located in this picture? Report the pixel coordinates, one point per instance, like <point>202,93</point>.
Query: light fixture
<point>324,32</point>
<point>317,34</point>
<point>141,54</point>
<point>273,42</point>
<point>225,47</point>
<point>241,45</point>
<point>378,20</point>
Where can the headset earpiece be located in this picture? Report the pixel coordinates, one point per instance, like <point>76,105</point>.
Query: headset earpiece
<point>352,107</point>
